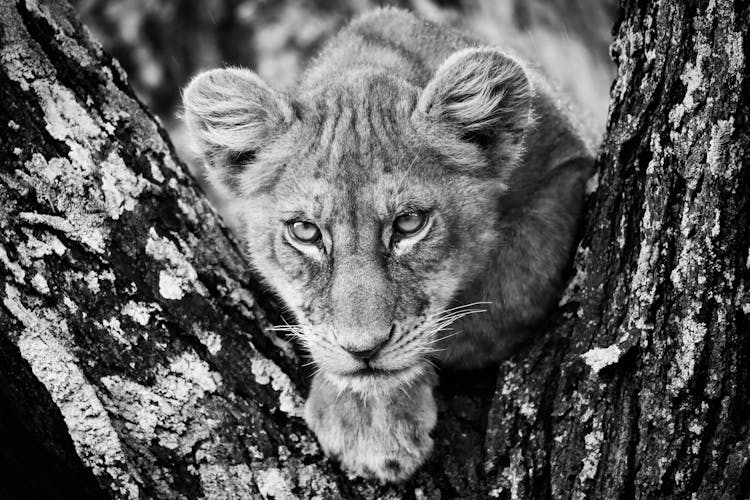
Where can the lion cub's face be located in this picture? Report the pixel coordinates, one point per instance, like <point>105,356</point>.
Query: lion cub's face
<point>366,205</point>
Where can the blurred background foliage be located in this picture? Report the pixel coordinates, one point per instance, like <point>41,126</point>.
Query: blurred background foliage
<point>162,43</point>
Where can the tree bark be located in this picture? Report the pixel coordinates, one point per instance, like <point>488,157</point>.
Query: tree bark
<point>133,357</point>
<point>641,389</point>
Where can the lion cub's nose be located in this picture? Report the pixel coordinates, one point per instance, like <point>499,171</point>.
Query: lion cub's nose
<point>366,354</point>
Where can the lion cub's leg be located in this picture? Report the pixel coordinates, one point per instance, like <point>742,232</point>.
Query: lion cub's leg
<point>384,435</point>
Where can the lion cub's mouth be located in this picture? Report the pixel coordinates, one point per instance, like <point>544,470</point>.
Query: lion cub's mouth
<point>372,379</point>
<point>374,372</point>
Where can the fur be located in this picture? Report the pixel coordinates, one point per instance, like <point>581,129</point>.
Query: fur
<point>398,114</point>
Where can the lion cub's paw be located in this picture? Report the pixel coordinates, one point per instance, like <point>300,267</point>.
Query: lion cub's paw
<point>383,436</point>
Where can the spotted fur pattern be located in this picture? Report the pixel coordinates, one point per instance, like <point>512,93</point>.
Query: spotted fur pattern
<point>398,115</point>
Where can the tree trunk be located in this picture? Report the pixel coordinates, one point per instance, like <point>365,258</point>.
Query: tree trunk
<point>642,388</point>
<point>133,357</point>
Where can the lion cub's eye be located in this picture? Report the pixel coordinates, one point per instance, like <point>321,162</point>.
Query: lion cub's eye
<point>304,232</point>
<point>409,223</point>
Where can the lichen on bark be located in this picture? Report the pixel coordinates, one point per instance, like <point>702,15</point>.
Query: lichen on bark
<point>133,309</point>
<point>642,381</point>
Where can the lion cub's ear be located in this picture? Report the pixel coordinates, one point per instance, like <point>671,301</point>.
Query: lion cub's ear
<point>230,114</point>
<point>485,95</point>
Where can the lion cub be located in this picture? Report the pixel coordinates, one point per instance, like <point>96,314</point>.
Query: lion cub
<point>415,179</point>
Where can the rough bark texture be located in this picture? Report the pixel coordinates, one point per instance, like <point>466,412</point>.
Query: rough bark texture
<point>642,389</point>
<point>133,362</point>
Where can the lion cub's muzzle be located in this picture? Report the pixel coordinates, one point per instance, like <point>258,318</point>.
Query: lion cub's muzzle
<point>367,348</point>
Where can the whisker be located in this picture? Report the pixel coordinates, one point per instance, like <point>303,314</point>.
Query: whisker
<point>440,339</point>
<point>284,328</point>
<point>456,308</point>
<point>291,333</point>
<point>457,313</point>
<point>447,320</point>
<point>436,323</point>
<point>431,363</point>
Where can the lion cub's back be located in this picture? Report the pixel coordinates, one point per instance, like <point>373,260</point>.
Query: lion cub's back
<point>395,41</point>
<point>388,39</point>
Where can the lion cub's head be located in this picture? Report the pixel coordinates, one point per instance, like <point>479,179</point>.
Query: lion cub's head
<point>367,202</point>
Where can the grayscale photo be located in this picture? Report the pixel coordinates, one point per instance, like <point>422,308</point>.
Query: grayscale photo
<point>393,249</point>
